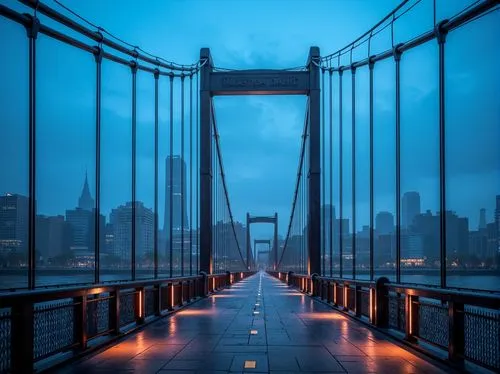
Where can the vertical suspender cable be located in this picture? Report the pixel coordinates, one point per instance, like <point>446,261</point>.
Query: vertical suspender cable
<point>197,173</point>
<point>190,174</point>
<point>323,174</point>
<point>171,176</point>
<point>353,171</point>
<point>183,176</point>
<point>372,229</point>
<point>331,224</point>
<point>134,166</point>
<point>155,235</point>
<point>32,34</point>
<point>97,213</point>
<point>341,213</point>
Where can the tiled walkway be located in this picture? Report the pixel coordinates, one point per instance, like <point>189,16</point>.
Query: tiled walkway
<point>292,333</point>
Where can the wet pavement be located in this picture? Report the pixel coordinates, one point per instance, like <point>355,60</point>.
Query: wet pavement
<point>258,325</point>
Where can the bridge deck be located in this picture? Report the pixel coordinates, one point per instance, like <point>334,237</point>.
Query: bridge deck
<point>294,334</point>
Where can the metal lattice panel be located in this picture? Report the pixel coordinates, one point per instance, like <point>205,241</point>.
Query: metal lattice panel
<point>365,303</point>
<point>5,340</point>
<point>482,335</point>
<point>127,313</point>
<point>103,315</point>
<point>150,301</point>
<point>433,323</point>
<point>53,328</point>
<point>397,319</point>
<point>97,315</point>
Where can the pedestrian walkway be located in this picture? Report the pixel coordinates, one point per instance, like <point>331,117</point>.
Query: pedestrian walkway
<point>257,325</point>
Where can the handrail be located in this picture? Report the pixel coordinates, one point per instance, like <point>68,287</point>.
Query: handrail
<point>442,27</point>
<point>27,21</point>
<point>98,37</point>
<point>39,295</point>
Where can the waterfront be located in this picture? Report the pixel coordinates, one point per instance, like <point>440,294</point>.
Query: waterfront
<point>10,282</point>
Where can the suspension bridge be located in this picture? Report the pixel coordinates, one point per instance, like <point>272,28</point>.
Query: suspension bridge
<point>177,287</point>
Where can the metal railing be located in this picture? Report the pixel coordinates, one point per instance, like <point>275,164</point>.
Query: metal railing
<point>43,328</point>
<point>465,324</point>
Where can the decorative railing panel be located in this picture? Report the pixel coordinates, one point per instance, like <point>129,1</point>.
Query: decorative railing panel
<point>127,307</point>
<point>397,312</point>
<point>433,323</point>
<point>53,328</point>
<point>5,333</point>
<point>482,335</point>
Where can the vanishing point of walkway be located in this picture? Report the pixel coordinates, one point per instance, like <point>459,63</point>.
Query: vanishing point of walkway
<point>259,323</point>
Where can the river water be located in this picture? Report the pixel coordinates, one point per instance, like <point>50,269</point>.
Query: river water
<point>10,281</point>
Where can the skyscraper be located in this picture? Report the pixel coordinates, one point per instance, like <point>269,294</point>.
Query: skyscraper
<point>482,219</point>
<point>86,201</point>
<point>81,220</point>
<point>384,223</point>
<point>410,208</point>
<point>121,226</point>
<point>13,222</point>
<point>497,221</point>
<point>179,197</point>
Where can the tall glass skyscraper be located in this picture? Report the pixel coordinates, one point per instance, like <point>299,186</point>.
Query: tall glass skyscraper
<point>179,197</point>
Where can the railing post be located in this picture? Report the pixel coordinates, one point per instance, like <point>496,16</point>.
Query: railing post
<point>357,300</point>
<point>204,284</point>
<point>80,321</point>
<point>411,310</point>
<point>381,302</point>
<point>456,340</point>
<point>89,313</point>
<point>139,305</point>
<point>181,293</point>
<point>157,300</point>
<point>314,285</point>
<point>22,337</point>
<point>114,311</point>
<point>170,296</point>
<point>335,290</point>
<point>373,304</point>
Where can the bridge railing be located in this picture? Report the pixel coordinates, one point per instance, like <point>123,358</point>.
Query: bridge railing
<point>464,326</point>
<point>42,328</point>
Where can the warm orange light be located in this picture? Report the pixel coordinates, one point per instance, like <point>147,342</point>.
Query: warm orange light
<point>195,312</point>
<point>213,284</point>
<point>290,294</point>
<point>409,312</point>
<point>321,316</point>
<point>371,304</point>
<point>140,304</point>
<point>172,296</point>
<point>345,297</point>
<point>241,275</point>
<point>219,296</point>
<point>335,293</point>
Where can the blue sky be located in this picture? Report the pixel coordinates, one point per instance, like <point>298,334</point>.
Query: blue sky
<point>260,136</point>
